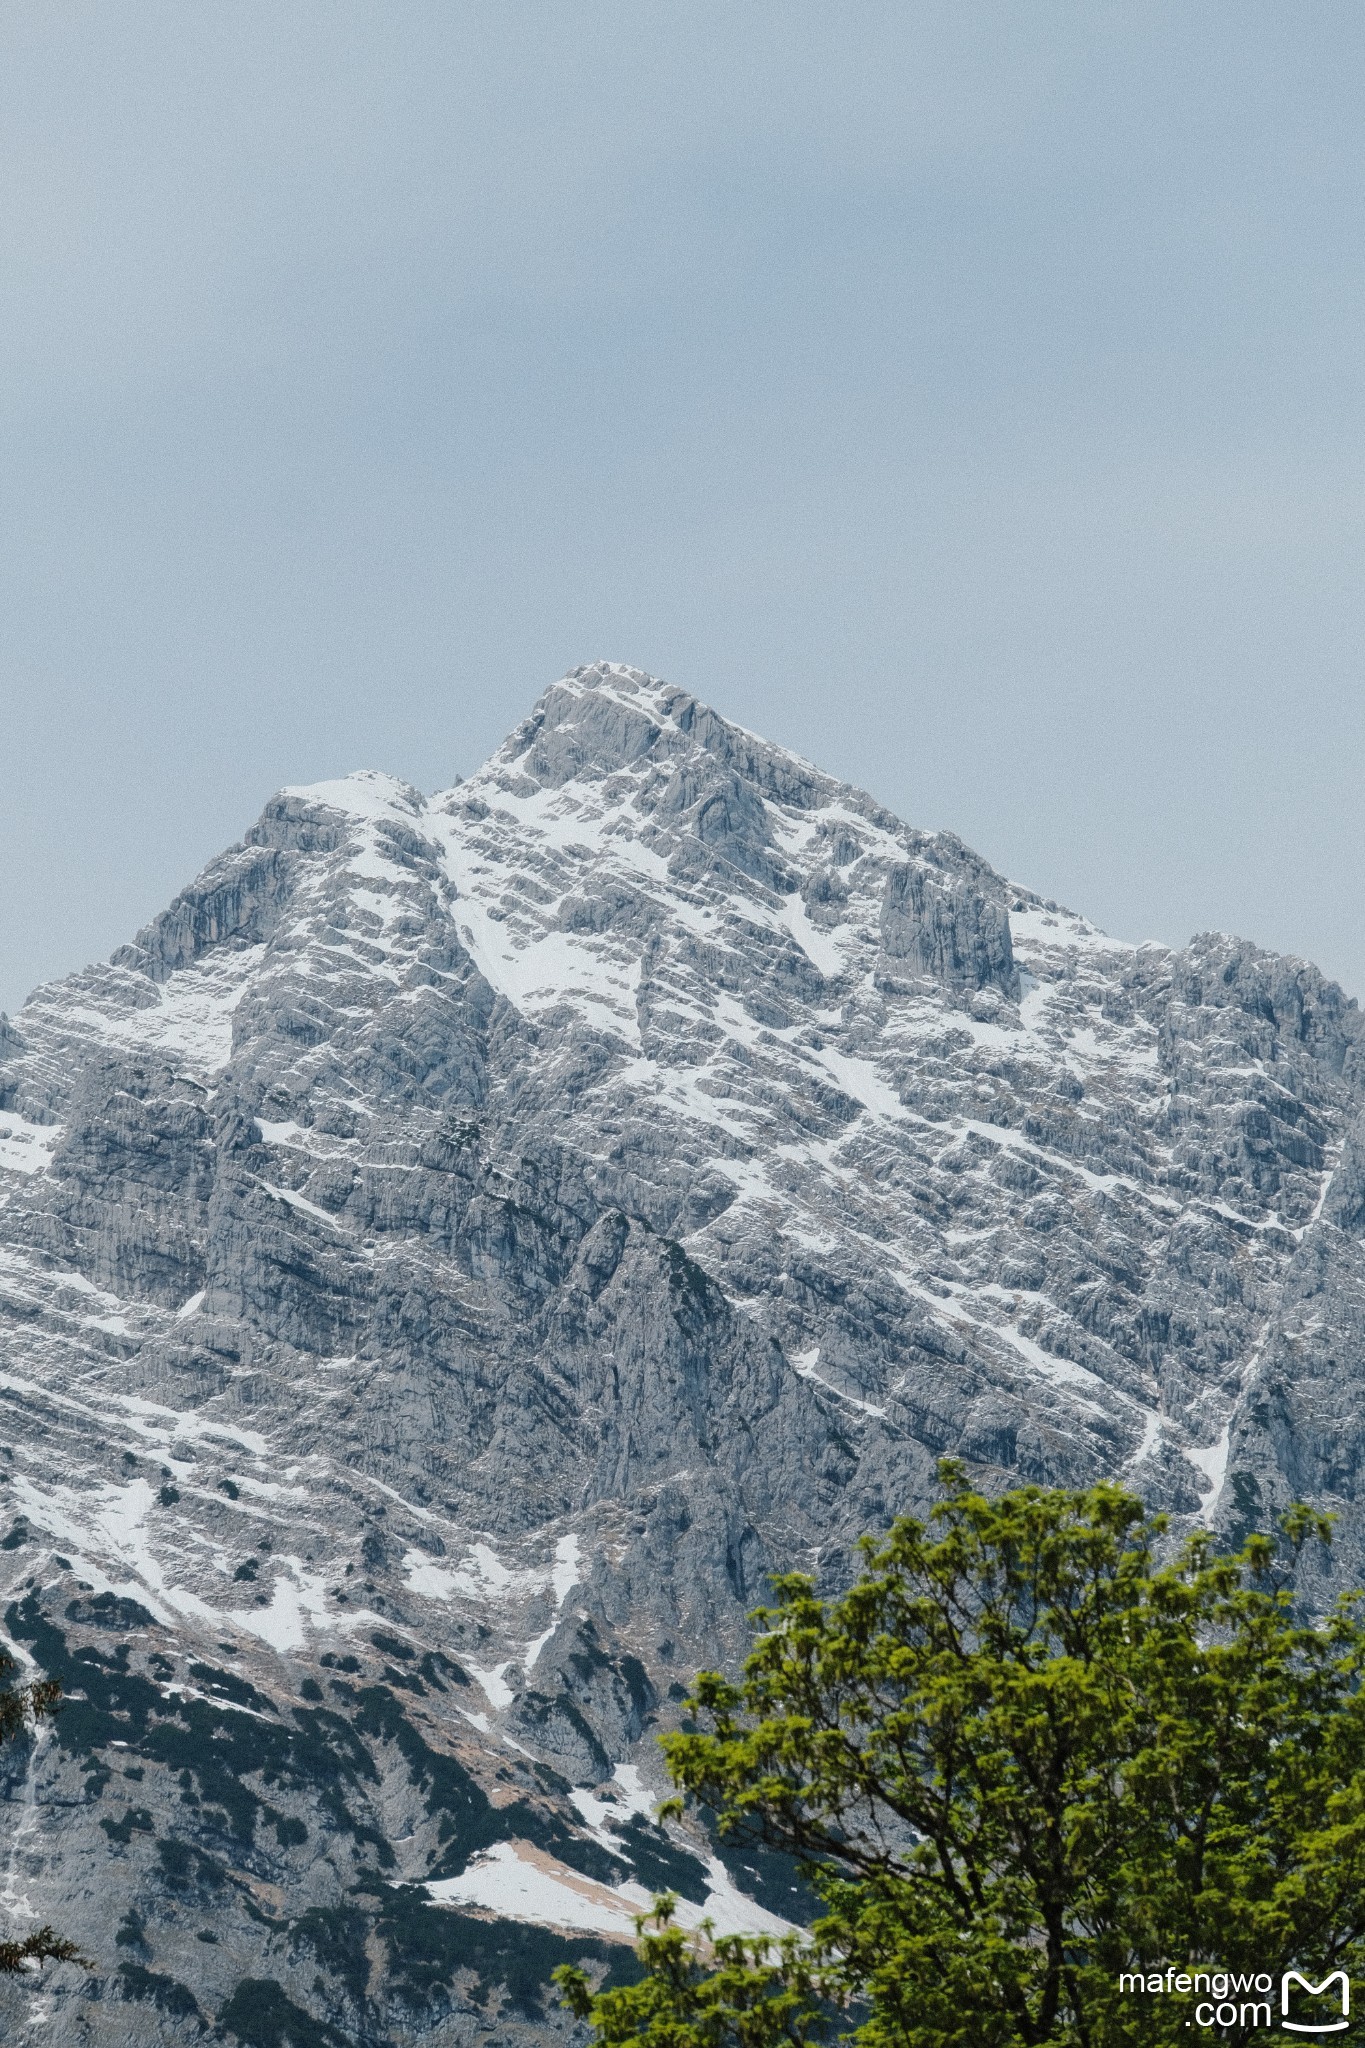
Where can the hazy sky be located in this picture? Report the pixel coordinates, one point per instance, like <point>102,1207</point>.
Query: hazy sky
<point>968,396</point>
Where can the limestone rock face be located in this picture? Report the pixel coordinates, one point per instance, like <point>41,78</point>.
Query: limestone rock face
<point>466,1243</point>
<point>947,927</point>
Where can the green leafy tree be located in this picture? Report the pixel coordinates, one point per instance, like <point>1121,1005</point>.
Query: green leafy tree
<point>20,1707</point>
<point>1019,1758</point>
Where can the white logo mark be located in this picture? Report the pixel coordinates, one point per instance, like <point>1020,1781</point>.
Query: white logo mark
<point>1316,1991</point>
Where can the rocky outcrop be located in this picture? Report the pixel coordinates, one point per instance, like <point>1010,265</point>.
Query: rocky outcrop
<point>938,923</point>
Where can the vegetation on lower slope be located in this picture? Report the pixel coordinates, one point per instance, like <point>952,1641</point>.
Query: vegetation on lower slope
<point>20,1707</point>
<point>185,1780</point>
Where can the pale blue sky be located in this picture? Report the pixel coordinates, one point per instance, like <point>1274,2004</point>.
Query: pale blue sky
<point>968,396</point>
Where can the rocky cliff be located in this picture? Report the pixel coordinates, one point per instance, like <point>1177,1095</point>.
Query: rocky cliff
<point>466,1242</point>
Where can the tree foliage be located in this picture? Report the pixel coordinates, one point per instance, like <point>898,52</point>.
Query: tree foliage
<point>1019,1757</point>
<point>20,1707</point>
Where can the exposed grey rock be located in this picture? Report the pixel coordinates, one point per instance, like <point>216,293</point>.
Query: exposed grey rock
<point>947,927</point>
<point>467,1243</point>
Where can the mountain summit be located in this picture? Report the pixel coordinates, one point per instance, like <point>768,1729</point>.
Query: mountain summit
<point>466,1243</point>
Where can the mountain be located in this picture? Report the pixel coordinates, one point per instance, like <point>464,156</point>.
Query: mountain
<point>466,1243</point>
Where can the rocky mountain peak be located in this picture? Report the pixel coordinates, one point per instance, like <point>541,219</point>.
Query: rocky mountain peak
<point>606,719</point>
<point>466,1243</point>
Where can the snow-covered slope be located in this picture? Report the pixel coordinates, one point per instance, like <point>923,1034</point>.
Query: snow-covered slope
<point>466,1242</point>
